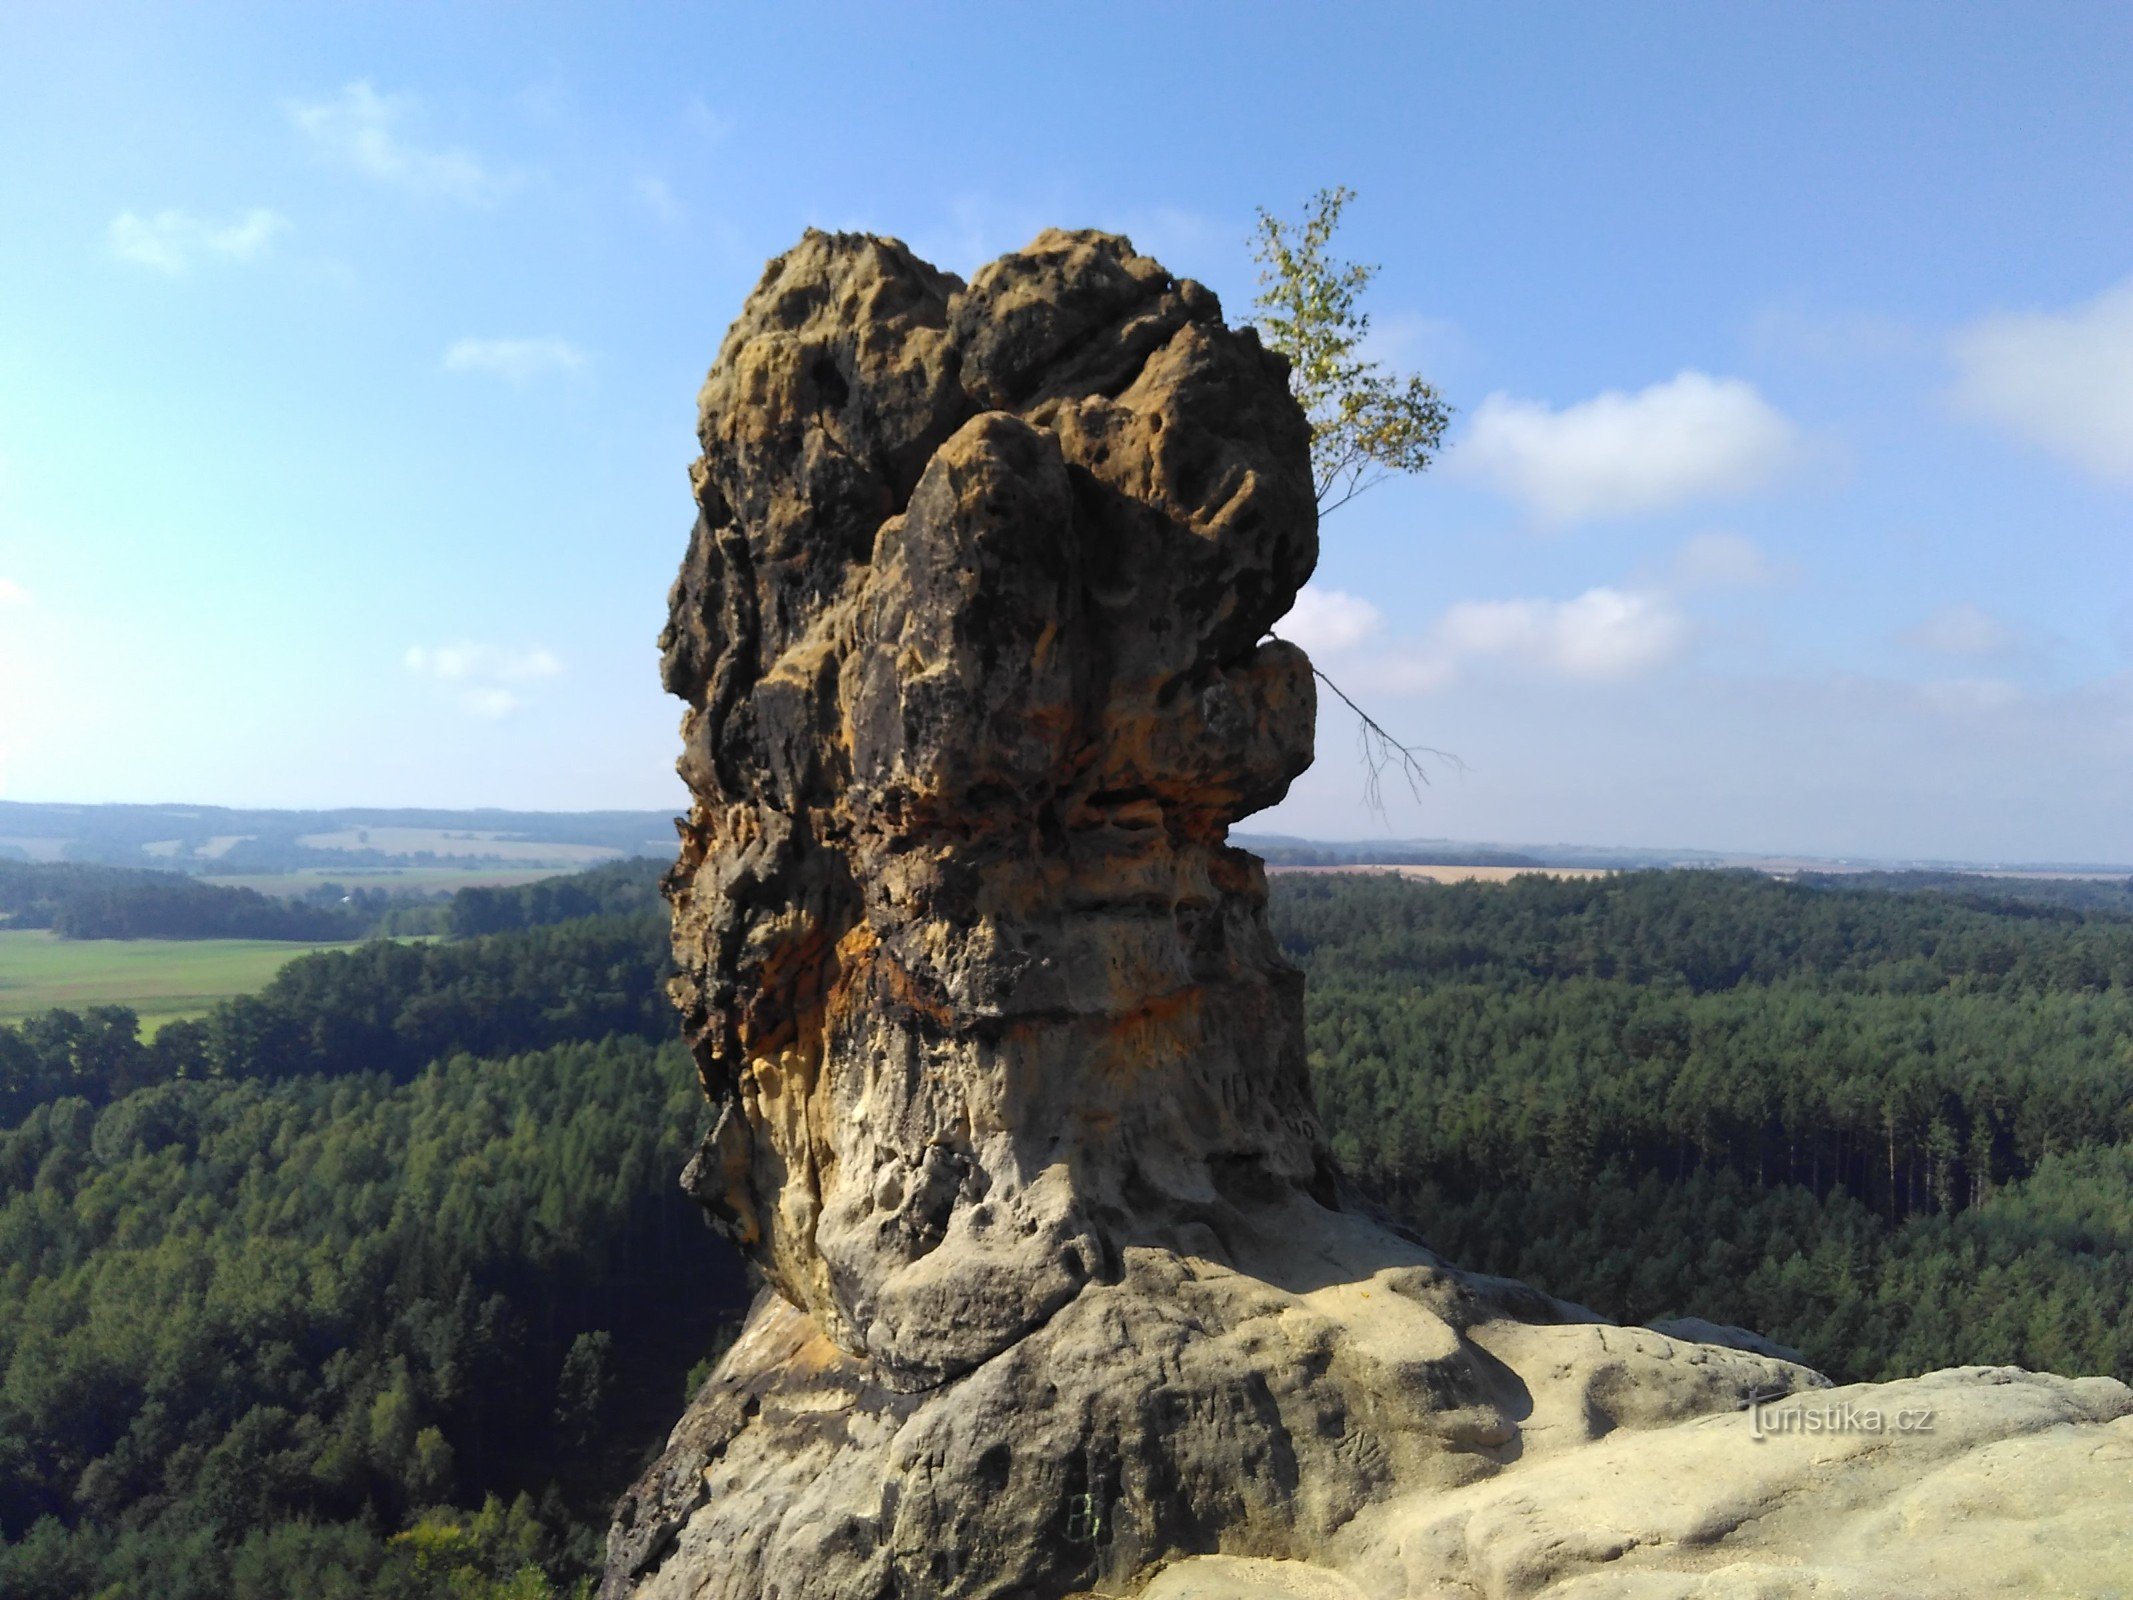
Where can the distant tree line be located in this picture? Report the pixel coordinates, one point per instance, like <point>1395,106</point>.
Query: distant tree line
<point>381,1007</point>
<point>1306,855</point>
<point>616,889</point>
<point>1988,891</point>
<point>93,902</point>
<point>99,902</point>
<point>219,839</point>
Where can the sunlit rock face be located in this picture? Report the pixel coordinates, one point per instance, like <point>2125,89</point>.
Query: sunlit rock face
<point>1010,1097</point>
<point>972,629</point>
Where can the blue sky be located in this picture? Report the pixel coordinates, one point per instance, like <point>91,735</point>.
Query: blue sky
<point>346,389</point>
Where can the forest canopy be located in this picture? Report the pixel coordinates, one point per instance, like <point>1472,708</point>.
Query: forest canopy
<point>379,1282</point>
<point>1892,1131</point>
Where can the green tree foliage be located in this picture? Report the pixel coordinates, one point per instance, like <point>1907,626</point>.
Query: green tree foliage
<point>383,1007</point>
<point>1365,422</point>
<point>581,1392</point>
<point>234,1310</point>
<point>95,902</point>
<point>1890,1130</point>
<point>380,1286</point>
<point>619,889</point>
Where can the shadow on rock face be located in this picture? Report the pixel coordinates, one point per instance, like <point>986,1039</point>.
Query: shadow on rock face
<point>972,629</point>
<point>1251,1388</point>
<point>1012,1107</point>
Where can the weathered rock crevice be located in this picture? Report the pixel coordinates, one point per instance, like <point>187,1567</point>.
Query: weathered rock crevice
<point>971,633</point>
<point>1011,1102</point>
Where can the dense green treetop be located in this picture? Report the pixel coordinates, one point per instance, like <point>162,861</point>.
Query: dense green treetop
<point>378,1284</point>
<point>1891,1130</point>
<point>1365,423</point>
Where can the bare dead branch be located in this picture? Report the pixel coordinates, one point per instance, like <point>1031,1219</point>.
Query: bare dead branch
<point>1381,753</point>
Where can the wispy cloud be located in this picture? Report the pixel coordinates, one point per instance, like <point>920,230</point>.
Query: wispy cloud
<point>515,360</point>
<point>1325,621</point>
<point>1719,560</point>
<point>12,594</point>
<point>483,679</point>
<point>1965,632</point>
<point>361,129</point>
<point>2062,380</point>
<point>977,229</point>
<point>1790,330</point>
<point>1605,635</point>
<point>489,700</point>
<point>711,126</point>
<point>171,241</point>
<point>1969,697</point>
<point>1693,437</point>
<point>453,662</point>
<point>657,197</point>
<point>1408,341</point>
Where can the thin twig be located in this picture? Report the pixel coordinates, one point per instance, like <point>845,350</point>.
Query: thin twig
<point>1380,750</point>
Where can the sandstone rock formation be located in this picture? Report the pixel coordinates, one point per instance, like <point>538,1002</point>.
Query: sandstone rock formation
<point>1011,1102</point>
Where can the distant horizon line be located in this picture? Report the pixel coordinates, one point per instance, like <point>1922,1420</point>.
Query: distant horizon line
<point>1584,854</point>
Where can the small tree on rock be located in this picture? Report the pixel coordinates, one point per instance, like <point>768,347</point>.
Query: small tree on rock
<point>1366,424</point>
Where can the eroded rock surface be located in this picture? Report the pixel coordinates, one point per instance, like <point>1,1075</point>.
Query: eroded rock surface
<point>1974,1482</point>
<point>1011,1101</point>
<point>971,633</point>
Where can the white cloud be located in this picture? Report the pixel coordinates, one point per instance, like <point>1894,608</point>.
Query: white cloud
<point>2061,380</point>
<point>548,102</point>
<point>659,199</point>
<point>170,241</point>
<point>359,128</point>
<point>1958,697</point>
<point>12,594</point>
<point>490,701</point>
<point>1722,561</point>
<point>451,663</point>
<point>1326,620</point>
<point>1603,634</point>
<point>977,230</point>
<point>1693,437</point>
<point>477,674</point>
<point>516,360</point>
<point>1965,631</point>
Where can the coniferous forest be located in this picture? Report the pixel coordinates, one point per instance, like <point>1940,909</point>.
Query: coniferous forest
<point>379,1283</point>
<point>1892,1130</point>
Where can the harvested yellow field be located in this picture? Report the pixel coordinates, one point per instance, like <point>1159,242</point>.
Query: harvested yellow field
<point>1434,874</point>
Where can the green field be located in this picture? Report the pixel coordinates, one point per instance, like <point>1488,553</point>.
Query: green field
<point>161,979</point>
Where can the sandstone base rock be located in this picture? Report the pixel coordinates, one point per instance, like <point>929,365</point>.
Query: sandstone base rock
<point>2016,1485</point>
<point>1011,1105</point>
<point>1254,1393</point>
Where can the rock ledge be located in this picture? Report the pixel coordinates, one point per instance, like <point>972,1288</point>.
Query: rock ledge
<point>1012,1110</point>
